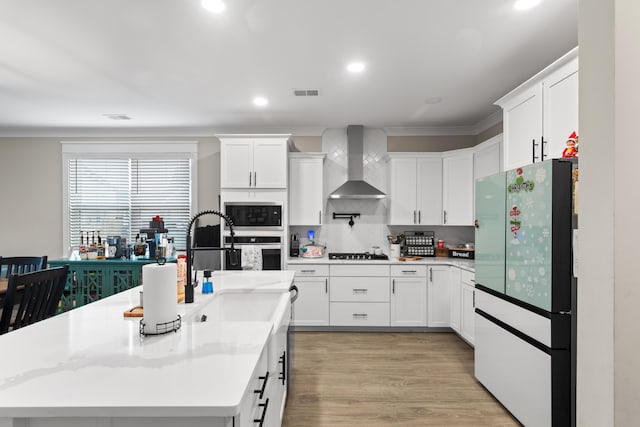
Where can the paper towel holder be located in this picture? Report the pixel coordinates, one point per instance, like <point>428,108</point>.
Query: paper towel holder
<point>162,328</point>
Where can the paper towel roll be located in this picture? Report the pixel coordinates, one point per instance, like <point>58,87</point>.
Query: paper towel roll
<point>160,295</point>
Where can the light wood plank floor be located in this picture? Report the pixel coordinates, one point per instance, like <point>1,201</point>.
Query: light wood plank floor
<point>387,379</point>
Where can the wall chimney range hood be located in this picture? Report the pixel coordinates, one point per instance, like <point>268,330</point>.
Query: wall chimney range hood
<point>356,187</point>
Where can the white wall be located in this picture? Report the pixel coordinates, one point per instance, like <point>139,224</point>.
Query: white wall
<point>31,196</point>
<point>627,207</point>
<point>608,372</point>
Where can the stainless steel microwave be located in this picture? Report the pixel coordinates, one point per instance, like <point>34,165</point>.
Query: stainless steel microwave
<point>255,215</point>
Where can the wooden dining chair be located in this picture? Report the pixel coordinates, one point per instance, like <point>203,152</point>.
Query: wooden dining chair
<point>21,264</point>
<point>32,297</point>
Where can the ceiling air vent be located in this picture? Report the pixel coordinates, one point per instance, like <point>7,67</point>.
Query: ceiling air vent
<point>306,92</point>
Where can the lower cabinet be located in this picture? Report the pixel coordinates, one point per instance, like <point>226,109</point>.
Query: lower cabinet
<point>454,298</point>
<point>359,295</point>
<point>468,306</point>
<point>408,296</point>
<point>256,404</point>
<point>438,287</point>
<point>312,306</point>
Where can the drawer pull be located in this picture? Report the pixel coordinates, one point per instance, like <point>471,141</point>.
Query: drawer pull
<point>264,406</point>
<point>360,290</point>
<point>283,362</point>
<point>394,286</point>
<point>307,271</point>
<point>360,316</point>
<point>409,271</point>
<point>264,385</point>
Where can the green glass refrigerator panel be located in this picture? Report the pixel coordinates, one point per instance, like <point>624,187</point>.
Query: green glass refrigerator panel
<point>529,239</point>
<point>490,233</point>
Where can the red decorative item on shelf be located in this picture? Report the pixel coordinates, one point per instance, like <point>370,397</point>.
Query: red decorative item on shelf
<point>571,150</point>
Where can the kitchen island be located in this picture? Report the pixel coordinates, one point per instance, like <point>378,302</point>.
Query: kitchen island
<point>91,366</point>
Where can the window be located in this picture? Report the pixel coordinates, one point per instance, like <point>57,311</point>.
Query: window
<point>117,188</point>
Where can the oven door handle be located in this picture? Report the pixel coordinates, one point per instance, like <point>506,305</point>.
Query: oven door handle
<point>295,296</point>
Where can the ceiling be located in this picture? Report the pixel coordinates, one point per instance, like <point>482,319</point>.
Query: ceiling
<point>176,69</point>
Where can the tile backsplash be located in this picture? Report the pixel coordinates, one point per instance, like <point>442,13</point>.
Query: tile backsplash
<point>370,227</point>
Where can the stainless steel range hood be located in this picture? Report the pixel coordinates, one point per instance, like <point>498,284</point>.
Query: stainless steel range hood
<point>356,187</point>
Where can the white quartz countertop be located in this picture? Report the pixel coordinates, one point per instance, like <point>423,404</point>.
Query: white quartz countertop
<point>456,262</point>
<point>92,361</point>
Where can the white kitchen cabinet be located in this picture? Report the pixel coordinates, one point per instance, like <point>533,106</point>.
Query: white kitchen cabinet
<point>408,296</point>
<point>305,188</point>
<point>560,98</point>
<point>415,195</point>
<point>455,299</point>
<point>540,114</point>
<point>312,306</point>
<point>438,291</point>
<point>457,187</point>
<point>359,295</point>
<point>487,157</point>
<point>253,161</point>
<point>467,319</point>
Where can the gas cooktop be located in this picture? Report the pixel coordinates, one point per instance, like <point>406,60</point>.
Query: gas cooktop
<point>362,256</point>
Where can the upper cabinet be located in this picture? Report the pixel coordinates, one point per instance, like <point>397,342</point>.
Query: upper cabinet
<point>305,188</point>
<point>540,114</point>
<point>457,189</point>
<point>487,157</point>
<point>253,161</point>
<point>415,195</point>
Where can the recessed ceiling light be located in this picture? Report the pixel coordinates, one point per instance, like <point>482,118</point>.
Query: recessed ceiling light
<point>355,67</point>
<point>117,116</point>
<point>214,6</point>
<point>525,4</point>
<point>260,101</point>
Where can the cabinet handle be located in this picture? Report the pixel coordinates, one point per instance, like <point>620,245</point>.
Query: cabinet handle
<point>394,286</point>
<point>255,179</point>
<point>307,271</point>
<point>414,217</point>
<point>320,217</point>
<point>419,217</point>
<point>533,150</point>
<point>260,421</point>
<point>326,286</point>
<point>283,362</point>
<point>362,316</point>
<point>445,217</point>
<point>409,271</point>
<point>249,178</point>
<point>360,290</point>
<point>474,298</point>
<point>264,385</point>
<point>431,275</point>
<point>542,155</point>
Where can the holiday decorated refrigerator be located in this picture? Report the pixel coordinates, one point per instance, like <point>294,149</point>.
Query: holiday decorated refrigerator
<point>525,290</point>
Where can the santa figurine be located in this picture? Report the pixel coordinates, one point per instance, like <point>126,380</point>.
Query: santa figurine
<point>571,150</point>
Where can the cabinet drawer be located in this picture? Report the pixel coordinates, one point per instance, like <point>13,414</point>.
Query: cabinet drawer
<point>359,314</point>
<point>467,277</point>
<point>367,270</point>
<point>408,270</point>
<point>366,289</point>
<point>309,270</point>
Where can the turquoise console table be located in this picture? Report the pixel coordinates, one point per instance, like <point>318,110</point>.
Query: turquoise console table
<point>90,281</point>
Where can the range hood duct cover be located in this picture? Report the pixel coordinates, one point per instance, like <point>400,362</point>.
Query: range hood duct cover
<point>356,187</point>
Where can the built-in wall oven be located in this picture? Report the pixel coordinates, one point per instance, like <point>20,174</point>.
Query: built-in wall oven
<point>255,215</point>
<point>271,248</point>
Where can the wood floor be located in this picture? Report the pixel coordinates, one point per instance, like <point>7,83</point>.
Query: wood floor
<point>387,379</point>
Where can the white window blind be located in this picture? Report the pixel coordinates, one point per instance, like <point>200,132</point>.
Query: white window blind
<point>120,196</point>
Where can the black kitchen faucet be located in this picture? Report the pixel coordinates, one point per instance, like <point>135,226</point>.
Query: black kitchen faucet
<point>233,254</point>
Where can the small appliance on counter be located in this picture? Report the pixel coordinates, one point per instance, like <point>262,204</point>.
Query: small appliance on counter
<point>294,247</point>
<point>156,237</point>
<point>418,243</point>
<point>313,251</point>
